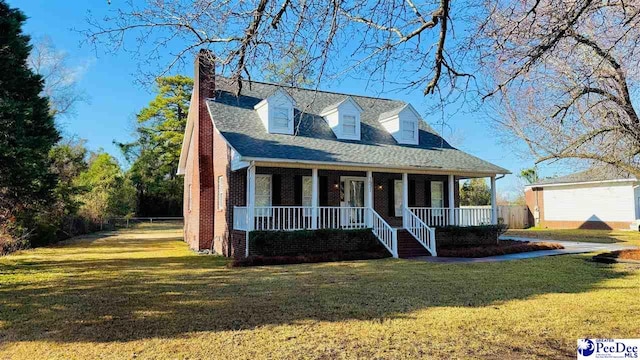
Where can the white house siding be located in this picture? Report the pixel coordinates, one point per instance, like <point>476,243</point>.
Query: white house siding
<point>591,202</point>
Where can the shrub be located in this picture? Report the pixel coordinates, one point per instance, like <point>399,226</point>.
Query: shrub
<point>306,242</point>
<point>259,260</point>
<point>456,236</point>
<point>502,248</point>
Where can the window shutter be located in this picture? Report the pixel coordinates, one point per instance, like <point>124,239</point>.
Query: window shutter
<point>323,195</point>
<point>412,193</point>
<point>390,196</point>
<point>445,193</point>
<point>297,189</point>
<point>427,193</point>
<point>276,188</point>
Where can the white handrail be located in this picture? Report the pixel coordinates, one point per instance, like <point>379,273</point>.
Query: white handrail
<point>467,216</point>
<point>421,231</point>
<point>387,235</point>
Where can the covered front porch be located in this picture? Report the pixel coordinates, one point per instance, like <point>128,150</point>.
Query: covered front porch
<point>309,198</point>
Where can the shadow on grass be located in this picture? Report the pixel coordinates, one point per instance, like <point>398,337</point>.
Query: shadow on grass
<point>120,298</point>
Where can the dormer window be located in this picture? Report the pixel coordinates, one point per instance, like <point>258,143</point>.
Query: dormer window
<point>281,118</point>
<point>276,112</point>
<point>344,118</point>
<point>349,125</point>
<point>409,129</point>
<point>403,124</point>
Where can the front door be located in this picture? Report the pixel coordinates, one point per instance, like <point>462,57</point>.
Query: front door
<point>354,189</point>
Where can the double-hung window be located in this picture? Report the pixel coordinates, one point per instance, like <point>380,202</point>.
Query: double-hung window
<point>397,197</point>
<point>307,193</point>
<point>220,193</point>
<point>281,118</point>
<point>263,195</point>
<point>349,125</point>
<point>409,129</point>
<point>437,197</point>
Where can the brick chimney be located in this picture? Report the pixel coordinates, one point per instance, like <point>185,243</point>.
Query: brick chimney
<point>204,85</point>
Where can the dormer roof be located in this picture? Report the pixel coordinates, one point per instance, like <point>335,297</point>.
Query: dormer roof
<point>313,140</point>
<point>336,105</point>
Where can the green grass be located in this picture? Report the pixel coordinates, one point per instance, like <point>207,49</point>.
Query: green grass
<point>141,293</point>
<point>584,235</point>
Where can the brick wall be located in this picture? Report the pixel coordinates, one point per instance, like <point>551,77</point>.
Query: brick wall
<point>198,182</point>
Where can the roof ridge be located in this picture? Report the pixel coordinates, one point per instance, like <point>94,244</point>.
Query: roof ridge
<point>315,90</point>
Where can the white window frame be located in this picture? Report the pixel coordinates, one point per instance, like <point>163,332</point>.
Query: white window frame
<point>220,192</point>
<point>278,110</point>
<point>269,195</point>
<point>307,199</point>
<point>409,126</point>
<point>397,211</point>
<point>345,125</point>
<point>438,212</point>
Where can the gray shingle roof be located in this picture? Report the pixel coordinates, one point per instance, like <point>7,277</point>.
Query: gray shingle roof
<point>599,173</point>
<point>314,140</point>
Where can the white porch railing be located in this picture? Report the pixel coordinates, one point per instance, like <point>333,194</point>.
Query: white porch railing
<point>282,217</point>
<point>467,216</point>
<point>387,235</point>
<point>290,218</point>
<point>333,217</point>
<point>421,231</point>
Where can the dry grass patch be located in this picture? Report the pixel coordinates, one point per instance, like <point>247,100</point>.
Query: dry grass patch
<point>143,294</point>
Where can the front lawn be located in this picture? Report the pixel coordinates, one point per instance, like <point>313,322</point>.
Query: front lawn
<point>598,236</point>
<point>142,294</point>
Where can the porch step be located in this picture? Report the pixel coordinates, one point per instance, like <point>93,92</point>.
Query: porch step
<point>408,246</point>
<point>635,225</point>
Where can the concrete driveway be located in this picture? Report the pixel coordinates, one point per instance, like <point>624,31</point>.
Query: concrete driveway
<point>570,247</point>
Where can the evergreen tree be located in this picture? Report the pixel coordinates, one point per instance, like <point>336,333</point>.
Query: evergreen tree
<point>27,130</point>
<point>155,153</point>
<point>475,192</point>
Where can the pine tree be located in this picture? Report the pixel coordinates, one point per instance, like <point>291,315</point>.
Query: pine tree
<point>27,131</point>
<point>155,153</point>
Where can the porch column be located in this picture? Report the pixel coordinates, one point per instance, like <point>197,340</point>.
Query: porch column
<point>494,207</point>
<point>314,198</point>
<point>251,201</point>
<point>452,201</point>
<point>405,196</point>
<point>369,201</point>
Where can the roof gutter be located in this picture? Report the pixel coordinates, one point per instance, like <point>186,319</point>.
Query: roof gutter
<point>581,183</point>
<point>379,168</point>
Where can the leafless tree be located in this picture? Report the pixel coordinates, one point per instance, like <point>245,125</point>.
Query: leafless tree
<point>338,36</point>
<point>60,77</point>
<point>563,76</point>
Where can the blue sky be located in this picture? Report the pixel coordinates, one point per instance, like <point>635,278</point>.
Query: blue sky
<point>115,96</point>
